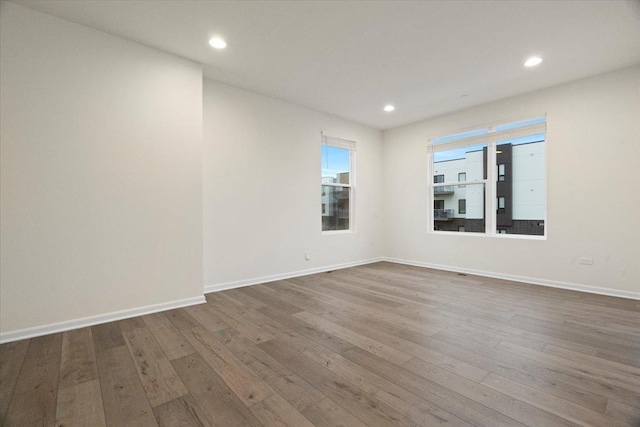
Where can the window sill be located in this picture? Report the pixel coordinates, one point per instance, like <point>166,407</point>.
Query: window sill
<point>499,236</point>
<point>328,232</point>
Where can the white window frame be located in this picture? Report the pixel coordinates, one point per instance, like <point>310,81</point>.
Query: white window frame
<point>334,141</point>
<point>490,183</point>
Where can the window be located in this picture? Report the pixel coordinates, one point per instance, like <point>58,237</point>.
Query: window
<point>462,206</point>
<point>337,183</point>
<point>500,187</point>
<point>501,170</point>
<point>501,206</point>
<point>462,176</point>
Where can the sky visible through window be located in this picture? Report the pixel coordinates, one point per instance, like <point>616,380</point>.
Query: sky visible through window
<point>460,153</point>
<point>520,124</point>
<point>334,161</point>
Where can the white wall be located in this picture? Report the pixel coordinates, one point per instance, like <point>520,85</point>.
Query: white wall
<point>101,182</point>
<point>593,149</point>
<point>262,195</point>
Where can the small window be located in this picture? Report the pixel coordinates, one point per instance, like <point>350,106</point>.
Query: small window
<point>501,169</point>
<point>462,206</point>
<point>502,231</point>
<point>501,202</point>
<point>438,204</point>
<point>337,183</point>
<point>462,176</point>
<point>461,228</point>
<point>438,179</point>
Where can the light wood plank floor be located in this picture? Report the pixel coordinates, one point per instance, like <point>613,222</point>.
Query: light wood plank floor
<point>376,345</point>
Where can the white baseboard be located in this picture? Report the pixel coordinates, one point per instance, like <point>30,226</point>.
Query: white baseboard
<point>37,331</point>
<point>265,279</point>
<point>21,334</point>
<point>529,280</point>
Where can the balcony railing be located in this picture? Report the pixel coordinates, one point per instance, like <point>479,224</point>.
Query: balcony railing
<point>443,190</point>
<point>443,214</point>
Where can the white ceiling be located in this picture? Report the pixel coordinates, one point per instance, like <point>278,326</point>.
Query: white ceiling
<point>352,58</point>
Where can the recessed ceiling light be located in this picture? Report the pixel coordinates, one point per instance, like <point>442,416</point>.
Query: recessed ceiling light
<point>218,43</point>
<point>389,108</point>
<point>533,61</point>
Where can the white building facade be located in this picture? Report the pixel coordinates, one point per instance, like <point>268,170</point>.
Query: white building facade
<point>520,171</point>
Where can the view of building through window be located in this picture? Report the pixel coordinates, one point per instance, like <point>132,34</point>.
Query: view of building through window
<point>336,188</point>
<point>518,187</point>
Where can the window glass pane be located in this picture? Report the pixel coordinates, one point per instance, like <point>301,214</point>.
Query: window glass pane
<point>335,165</point>
<point>335,207</point>
<point>467,162</point>
<point>457,136</point>
<point>520,189</point>
<point>447,215</point>
<point>520,124</point>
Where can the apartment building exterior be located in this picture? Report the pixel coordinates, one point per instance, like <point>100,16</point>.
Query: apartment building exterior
<point>336,202</point>
<point>520,191</point>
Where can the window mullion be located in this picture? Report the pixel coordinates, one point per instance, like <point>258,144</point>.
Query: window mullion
<point>430,214</point>
<point>491,190</point>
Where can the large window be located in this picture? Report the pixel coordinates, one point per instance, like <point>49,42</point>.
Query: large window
<point>490,180</point>
<point>337,183</point>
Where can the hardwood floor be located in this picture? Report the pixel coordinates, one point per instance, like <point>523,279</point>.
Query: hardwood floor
<point>376,345</point>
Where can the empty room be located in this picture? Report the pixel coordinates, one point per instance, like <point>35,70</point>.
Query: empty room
<point>319,213</point>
